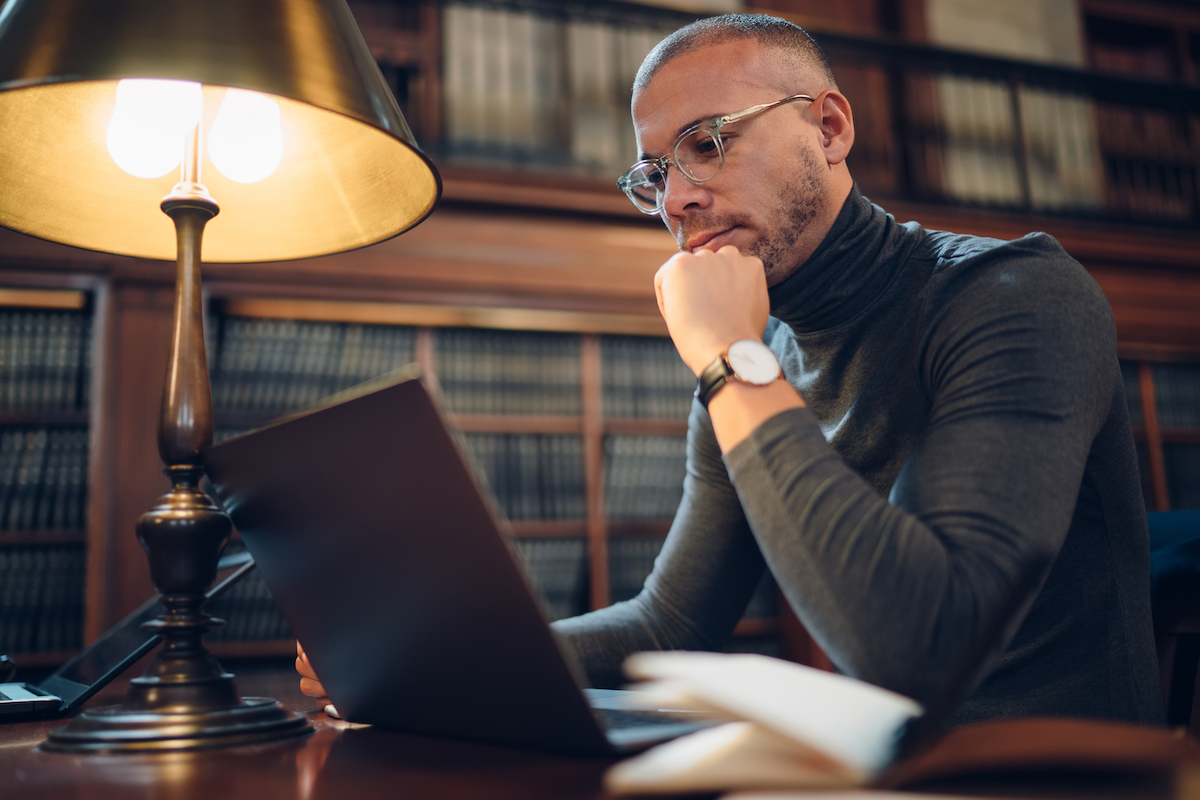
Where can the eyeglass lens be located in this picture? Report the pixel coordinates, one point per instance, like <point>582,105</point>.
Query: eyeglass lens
<point>698,156</point>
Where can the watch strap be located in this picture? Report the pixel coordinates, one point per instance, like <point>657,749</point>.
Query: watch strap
<point>714,376</point>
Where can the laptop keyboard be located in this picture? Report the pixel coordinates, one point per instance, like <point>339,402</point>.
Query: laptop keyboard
<point>614,719</point>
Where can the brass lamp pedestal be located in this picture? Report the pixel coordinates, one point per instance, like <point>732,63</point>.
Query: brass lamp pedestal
<point>185,700</point>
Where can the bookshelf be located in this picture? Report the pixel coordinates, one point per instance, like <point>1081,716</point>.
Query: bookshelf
<point>551,246</point>
<point>580,436</point>
<point>1149,157</point>
<point>1163,390</point>
<point>46,383</point>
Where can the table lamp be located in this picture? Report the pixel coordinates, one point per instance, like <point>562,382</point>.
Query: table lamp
<point>125,127</point>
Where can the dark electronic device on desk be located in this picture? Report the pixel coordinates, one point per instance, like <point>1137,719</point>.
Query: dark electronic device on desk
<point>368,526</point>
<point>96,665</point>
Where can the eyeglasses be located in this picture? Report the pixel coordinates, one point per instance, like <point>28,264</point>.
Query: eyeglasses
<point>698,154</point>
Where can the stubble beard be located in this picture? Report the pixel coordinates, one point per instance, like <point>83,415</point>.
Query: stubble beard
<point>799,204</point>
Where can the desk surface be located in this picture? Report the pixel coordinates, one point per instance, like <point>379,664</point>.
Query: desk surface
<point>344,761</point>
<point>338,761</point>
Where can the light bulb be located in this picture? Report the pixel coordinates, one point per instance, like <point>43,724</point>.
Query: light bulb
<point>246,141</point>
<point>147,130</point>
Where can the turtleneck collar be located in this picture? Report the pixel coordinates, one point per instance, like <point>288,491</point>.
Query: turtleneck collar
<point>848,270</point>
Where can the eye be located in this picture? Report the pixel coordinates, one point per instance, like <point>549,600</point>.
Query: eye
<point>706,147</point>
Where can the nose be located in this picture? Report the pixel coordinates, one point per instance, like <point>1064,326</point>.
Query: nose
<point>683,197</point>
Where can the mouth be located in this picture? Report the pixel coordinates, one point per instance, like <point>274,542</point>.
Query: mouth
<point>713,240</point>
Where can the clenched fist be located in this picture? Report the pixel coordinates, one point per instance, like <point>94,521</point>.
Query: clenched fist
<point>710,300</point>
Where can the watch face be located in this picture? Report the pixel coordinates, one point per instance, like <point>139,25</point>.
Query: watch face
<point>753,362</point>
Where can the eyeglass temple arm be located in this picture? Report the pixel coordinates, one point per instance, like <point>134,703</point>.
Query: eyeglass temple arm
<point>750,112</point>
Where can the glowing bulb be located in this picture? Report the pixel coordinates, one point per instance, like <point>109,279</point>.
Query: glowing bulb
<point>146,133</point>
<point>246,141</point>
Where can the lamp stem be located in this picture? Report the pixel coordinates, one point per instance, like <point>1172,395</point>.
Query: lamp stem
<point>186,418</point>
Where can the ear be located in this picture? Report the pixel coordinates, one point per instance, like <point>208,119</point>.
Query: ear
<point>837,125</point>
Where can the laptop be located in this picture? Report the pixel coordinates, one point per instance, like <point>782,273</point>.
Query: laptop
<point>68,687</point>
<point>369,526</point>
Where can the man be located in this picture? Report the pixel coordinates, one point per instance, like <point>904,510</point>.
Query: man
<point>943,482</point>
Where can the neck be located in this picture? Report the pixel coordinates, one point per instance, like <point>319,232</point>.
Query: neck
<point>818,230</point>
<point>852,264</point>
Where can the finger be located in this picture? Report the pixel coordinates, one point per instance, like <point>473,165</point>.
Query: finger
<point>313,689</point>
<point>659,277</point>
<point>305,669</point>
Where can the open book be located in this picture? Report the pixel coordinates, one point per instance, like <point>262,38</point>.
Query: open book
<point>790,726</point>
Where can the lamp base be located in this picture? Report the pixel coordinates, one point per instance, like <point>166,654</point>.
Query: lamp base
<point>117,729</point>
<point>184,701</point>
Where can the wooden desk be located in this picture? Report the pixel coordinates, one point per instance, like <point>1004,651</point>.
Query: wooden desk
<point>345,762</point>
<point>339,761</point>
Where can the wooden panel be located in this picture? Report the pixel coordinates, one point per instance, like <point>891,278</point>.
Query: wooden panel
<point>42,537</point>
<point>647,528</point>
<point>1154,450</point>
<point>593,465</point>
<point>458,256</point>
<point>519,319</point>
<point>141,343</point>
<point>515,423</point>
<point>847,16</point>
<point>548,528</point>
<point>646,427</point>
<point>1153,306</point>
<point>576,264</point>
<point>42,298</point>
<point>1169,14</point>
<point>43,417</point>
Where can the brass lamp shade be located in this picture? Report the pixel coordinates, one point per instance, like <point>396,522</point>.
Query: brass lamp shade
<point>351,173</point>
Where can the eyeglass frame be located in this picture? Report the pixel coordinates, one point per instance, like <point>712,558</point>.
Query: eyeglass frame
<point>713,128</point>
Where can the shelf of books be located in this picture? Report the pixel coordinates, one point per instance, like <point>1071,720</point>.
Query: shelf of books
<point>45,389</point>
<point>580,437</point>
<point>1164,405</point>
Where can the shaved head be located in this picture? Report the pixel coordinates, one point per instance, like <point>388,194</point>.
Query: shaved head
<point>786,41</point>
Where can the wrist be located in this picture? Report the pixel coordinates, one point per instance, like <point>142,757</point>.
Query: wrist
<point>701,355</point>
<point>745,361</point>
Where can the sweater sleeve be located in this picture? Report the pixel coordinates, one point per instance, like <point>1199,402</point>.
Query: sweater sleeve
<point>702,579</point>
<point>900,590</point>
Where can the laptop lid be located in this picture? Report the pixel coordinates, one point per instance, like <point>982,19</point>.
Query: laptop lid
<point>368,526</point>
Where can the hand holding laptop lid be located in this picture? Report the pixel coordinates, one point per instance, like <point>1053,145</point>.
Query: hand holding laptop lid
<point>310,684</point>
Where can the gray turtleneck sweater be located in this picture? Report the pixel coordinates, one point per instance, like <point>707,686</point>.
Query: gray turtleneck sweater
<point>957,512</point>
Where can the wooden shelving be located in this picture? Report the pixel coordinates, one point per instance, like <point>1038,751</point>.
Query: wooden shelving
<point>548,528</point>
<point>590,425</point>
<point>515,423</point>
<point>46,658</point>
<point>512,249</point>
<point>44,537</point>
<point>46,465</point>
<point>47,417</point>
<point>1170,435</point>
<point>1154,437</point>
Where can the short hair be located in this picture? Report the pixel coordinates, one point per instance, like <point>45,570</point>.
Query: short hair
<point>768,31</point>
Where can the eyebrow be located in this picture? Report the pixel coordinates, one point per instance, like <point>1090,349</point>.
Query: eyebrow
<point>643,156</point>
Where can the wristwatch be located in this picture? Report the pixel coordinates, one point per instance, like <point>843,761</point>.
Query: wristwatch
<point>745,360</point>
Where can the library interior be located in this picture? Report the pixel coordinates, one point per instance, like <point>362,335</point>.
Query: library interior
<point>527,298</point>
